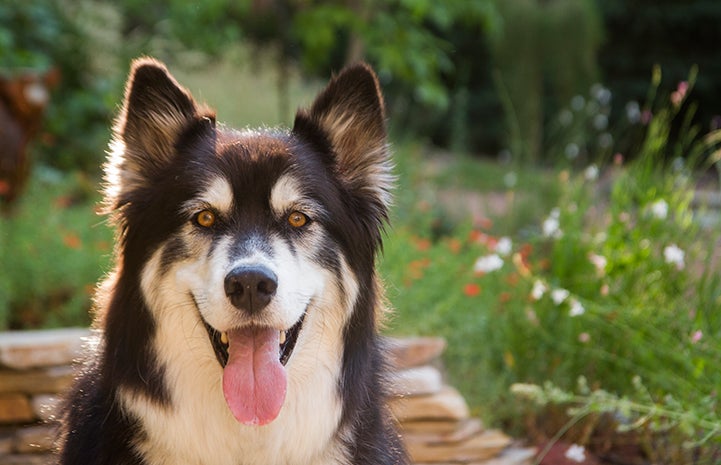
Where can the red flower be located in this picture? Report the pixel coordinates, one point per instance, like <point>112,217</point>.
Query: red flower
<point>455,245</point>
<point>471,289</point>
<point>421,243</point>
<point>72,241</point>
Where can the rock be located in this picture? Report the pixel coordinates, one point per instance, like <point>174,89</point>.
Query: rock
<point>440,432</point>
<point>415,351</point>
<point>46,406</point>
<point>42,381</point>
<point>35,439</point>
<point>15,408</point>
<point>482,446</point>
<point>416,381</point>
<point>28,459</point>
<point>514,456</point>
<point>31,349</point>
<point>6,442</point>
<point>430,428</point>
<point>447,404</point>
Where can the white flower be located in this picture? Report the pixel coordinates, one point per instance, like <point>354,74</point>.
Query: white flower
<point>600,122</point>
<point>674,256</point>
<point>504,246</point>
<point>572,151</point>
<point>659,209</point>
<point>633,112</point>
<point>559,296</point>
<point>591,173</point>
<point>578,102</point>
<point>599,261</point>
<point>510,179</point>
<point>551,225</point>
<point>600,93</point>
<point>488,263</point>
<point>576,453</point>
<point>538,290</point>
<point>577,308</point>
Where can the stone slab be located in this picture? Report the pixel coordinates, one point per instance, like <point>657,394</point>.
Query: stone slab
<point>15,408</point>
<point>429,427</point>
<point>37,381</point>
<point>22,350</point>
<point>448,404</point>
<point>36,439</point>
<point>414,351</point>
<point>46,406</point>
<point>28,459</point>
<point>514,456</point>
<point>483,446</point>
<point>438,432</point>
<point>7,440</point>
<point>416,381</point>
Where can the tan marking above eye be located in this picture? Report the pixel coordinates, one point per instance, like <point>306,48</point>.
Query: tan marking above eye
<point>297,219</point>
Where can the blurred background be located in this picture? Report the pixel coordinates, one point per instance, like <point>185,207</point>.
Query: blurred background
<point>557,206</point>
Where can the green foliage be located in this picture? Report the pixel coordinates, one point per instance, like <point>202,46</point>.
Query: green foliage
<point>420,48</point>
<point>53,251</point>
<point>616,285</point>
<point>668,431</point>
<point>542,45</point>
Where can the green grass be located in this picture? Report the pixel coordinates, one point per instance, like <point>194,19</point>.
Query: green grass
<point>244,89</point>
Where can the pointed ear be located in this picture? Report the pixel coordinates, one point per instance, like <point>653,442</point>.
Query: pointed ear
<point>156,111</point>
<point>349,117</point>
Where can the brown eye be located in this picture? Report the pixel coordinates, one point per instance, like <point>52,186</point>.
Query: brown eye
<point>297,219</point>
<point>205,218</point>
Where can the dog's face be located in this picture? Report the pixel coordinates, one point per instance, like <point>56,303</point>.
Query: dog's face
<point>254,238</point>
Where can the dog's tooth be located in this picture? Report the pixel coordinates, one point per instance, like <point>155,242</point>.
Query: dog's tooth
<point>282,337</point>
<point>224,337</point>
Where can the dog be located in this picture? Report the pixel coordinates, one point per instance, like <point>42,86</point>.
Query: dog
<point>240,323</point>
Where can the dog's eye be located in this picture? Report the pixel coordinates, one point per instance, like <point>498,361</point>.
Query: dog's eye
<point>297,219</point>
<point>205,218</point>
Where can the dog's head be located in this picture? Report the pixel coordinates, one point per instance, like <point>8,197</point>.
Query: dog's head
<point>254,237</point>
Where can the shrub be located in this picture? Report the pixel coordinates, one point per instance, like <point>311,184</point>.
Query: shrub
<point>617,284</point>
<point>53,250</point>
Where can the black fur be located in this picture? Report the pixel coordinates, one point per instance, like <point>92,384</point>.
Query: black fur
<point>162,164</point>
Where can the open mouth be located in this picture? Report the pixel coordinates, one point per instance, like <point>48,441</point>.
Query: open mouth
<point>287,340</point>
<point>253,360</point>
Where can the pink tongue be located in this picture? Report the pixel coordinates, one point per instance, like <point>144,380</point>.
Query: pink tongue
<point>254,381</point>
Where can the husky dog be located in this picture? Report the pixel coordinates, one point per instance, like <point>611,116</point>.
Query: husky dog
<point>239,325</point>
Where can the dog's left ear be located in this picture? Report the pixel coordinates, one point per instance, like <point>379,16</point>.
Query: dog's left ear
<point>350,115</point>
<point>156,111</point>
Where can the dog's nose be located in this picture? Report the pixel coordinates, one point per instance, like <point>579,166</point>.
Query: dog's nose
<point>250,288</point>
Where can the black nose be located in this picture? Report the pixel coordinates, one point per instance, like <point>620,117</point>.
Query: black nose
<point>250,288</point>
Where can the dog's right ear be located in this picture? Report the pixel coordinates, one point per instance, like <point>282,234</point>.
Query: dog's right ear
<point>156,111</point>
